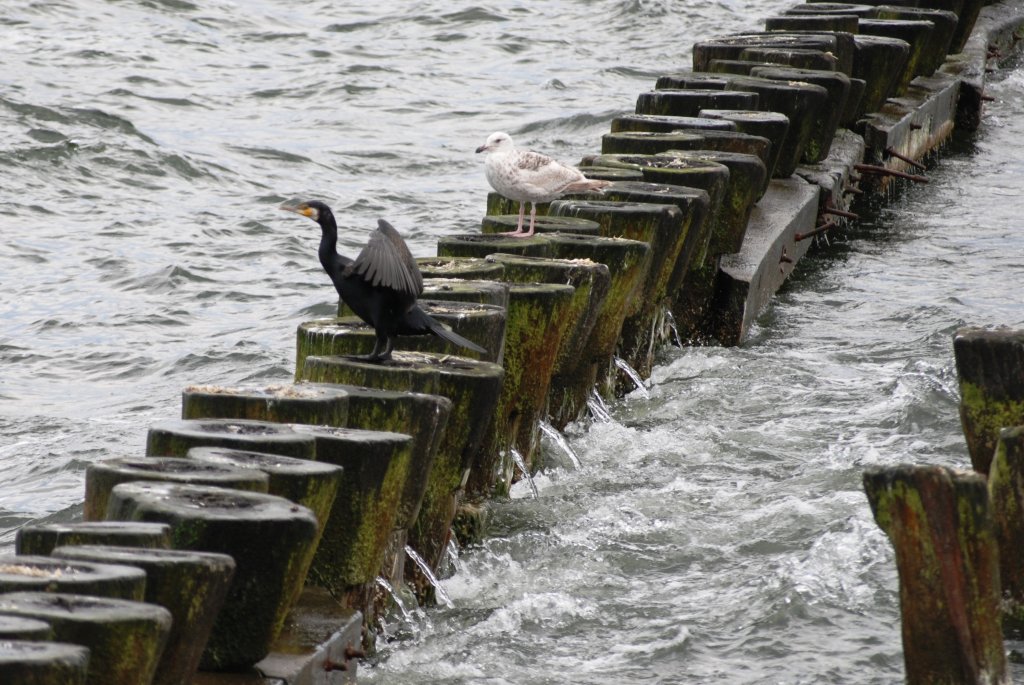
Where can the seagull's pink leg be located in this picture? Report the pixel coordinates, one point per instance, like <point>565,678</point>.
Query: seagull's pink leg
<point>519,229</point>
<point>533,219</point>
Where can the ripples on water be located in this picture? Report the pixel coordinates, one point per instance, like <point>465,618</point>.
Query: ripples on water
<point>715,531</point>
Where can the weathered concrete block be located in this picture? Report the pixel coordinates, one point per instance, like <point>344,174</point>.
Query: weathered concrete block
<point>770,250</point>
<point>102,476</point>
<point>271,540</point>
<point>41,538</point>
<point>124,638</point>
<point>43,663</point>
<point>192,586</point>
<point>990,367</point>
<point>939,523</point>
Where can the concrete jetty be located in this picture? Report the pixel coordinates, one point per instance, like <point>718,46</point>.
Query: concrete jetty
<point>719,184</point>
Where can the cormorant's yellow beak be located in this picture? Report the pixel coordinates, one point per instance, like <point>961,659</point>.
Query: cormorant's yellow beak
<point>300,208</point>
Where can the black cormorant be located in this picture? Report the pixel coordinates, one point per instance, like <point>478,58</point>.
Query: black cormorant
<point>380,285</point>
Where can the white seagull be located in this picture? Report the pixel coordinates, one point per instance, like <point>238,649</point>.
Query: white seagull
<point>526,176</point>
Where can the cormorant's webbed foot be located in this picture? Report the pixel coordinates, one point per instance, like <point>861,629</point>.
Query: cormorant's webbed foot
<point>381,351</point>
<point>370,358</point>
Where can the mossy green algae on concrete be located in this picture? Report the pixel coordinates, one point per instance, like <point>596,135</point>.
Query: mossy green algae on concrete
<point>375,467</point>
<point>572,378</point>
<point>628,263</point>
<point>538,318</point>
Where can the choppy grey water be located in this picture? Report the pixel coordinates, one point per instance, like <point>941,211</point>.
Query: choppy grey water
<point>716,531</point>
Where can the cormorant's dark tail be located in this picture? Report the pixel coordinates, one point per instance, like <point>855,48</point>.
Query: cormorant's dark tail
<point>419,319</point>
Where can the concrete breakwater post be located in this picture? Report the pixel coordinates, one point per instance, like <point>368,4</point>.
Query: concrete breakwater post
<point>313,484</point>
<point>645,329</point>
<point>537,323</point>
<point>571,380</point>
<point>174,438</point>
<point>46,574</point>
<point>1006,493</point>
<point>733,195</point>
<point>538,320</point>
<point>771,125</point>
<point>990,368</point>
<point>421,416</point>
<point>43,663</point>
<point>271,540</point>
<point>939,523</point>
<point>375,474</point>
<point>42,538</point>
<point>628,263</point>
<point>192,586</point>
<point>667,218</point>
<point>124,638</point>
<point>22,628</point>
<point>473,389</point>
<point>483,324</point>
<point>102,476</point>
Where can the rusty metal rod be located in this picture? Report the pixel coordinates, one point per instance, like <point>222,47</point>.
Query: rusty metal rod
<point>908,160</point>
<point>840,212</point>
<point>853,191</point>
<point>883,171</point>
<point>817,231</point>
<point>335,665</point>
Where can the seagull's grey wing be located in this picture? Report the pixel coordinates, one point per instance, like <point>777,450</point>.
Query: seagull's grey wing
<point>544,172</point>
<point>386,261</point>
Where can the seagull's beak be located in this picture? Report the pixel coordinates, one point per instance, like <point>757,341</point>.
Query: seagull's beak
<point>483,148</point>
<point>298,208</point>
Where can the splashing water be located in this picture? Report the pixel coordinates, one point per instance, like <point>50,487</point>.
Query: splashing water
<point>431,578</point>
<point>452,555</point>
<point>671,321</point>
<point>388,588</point>
<point>562,443</point>
<point>521,463</point>
<point>633,376</point>
<point>598,409</point>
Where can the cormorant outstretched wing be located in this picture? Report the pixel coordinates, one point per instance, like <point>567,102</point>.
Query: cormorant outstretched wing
<point>386,261</point>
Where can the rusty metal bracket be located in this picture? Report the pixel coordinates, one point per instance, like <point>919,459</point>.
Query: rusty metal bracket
<point>883,171</point>
<point>912,162</point>
<point>817,231</point>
